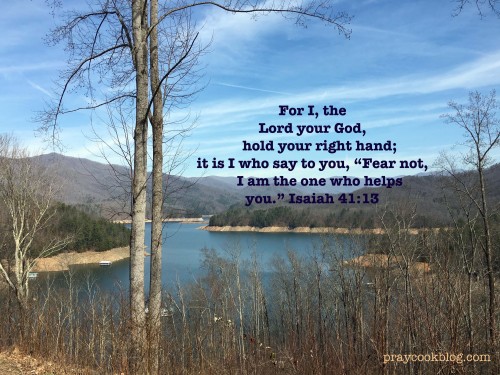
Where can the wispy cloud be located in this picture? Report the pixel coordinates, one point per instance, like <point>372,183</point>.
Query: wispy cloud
<point>23,68</point>
<point>482,72</point>
<point>39,88</point>
<point>251,88</point>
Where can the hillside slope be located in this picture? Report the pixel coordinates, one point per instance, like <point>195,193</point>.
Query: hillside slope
<point>108,186</point>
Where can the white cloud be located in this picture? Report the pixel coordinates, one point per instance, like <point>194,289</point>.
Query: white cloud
<point>250,88</point>
<point>23,68</point>
<point>481,72</point>
<point>39,88</point>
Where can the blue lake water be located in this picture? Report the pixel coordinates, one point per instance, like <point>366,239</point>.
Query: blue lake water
<point>182,255</point>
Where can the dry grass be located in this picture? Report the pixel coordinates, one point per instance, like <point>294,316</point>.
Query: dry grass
<point>61,262</point>
<point>386,261</point>
<point>14,362</point>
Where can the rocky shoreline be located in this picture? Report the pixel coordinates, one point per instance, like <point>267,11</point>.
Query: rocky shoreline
<point>325,230</point>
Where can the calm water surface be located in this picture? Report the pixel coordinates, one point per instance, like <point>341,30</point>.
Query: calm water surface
<point>182,255</point>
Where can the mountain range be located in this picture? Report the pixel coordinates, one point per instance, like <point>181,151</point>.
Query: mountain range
<point>107,186</point>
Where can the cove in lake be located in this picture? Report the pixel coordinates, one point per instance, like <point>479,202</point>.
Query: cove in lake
<point>182,255</point>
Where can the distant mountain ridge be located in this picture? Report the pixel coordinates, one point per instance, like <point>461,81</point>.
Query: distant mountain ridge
<point>88,182</point>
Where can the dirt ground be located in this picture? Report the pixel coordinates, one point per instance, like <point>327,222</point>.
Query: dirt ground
<point>16,363</point>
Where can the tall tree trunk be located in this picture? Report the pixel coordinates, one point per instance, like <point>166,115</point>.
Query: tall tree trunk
<point>22,305</point>
<point>489,260</point>
<point>157,204</point>
<point>137,315</point>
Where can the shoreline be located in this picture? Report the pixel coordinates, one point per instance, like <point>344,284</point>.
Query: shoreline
<point>320,230</point>
<point>62,262</point>
<point>182,220</point>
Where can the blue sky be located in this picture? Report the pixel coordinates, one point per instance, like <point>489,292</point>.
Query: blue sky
<point>403,63</point>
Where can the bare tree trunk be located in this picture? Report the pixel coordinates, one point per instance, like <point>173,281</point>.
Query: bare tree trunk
<point>489,261</point>
<point>157,204</point>
<point>22,323</point>
<point>137,315</point>
<point>241,308</point>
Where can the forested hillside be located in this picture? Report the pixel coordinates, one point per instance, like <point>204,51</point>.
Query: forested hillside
<point>426,197</point>
<point>87,230</point>
<point>106,188</point>
<point>78,227</point>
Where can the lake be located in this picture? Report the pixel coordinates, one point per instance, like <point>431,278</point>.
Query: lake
<point>182,256</point>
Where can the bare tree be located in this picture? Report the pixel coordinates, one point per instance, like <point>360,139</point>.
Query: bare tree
<point>27,192</point>
<point>480,5</point>
<point>464,216</point>
<point>482,135</point>
<point>113,45</point>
